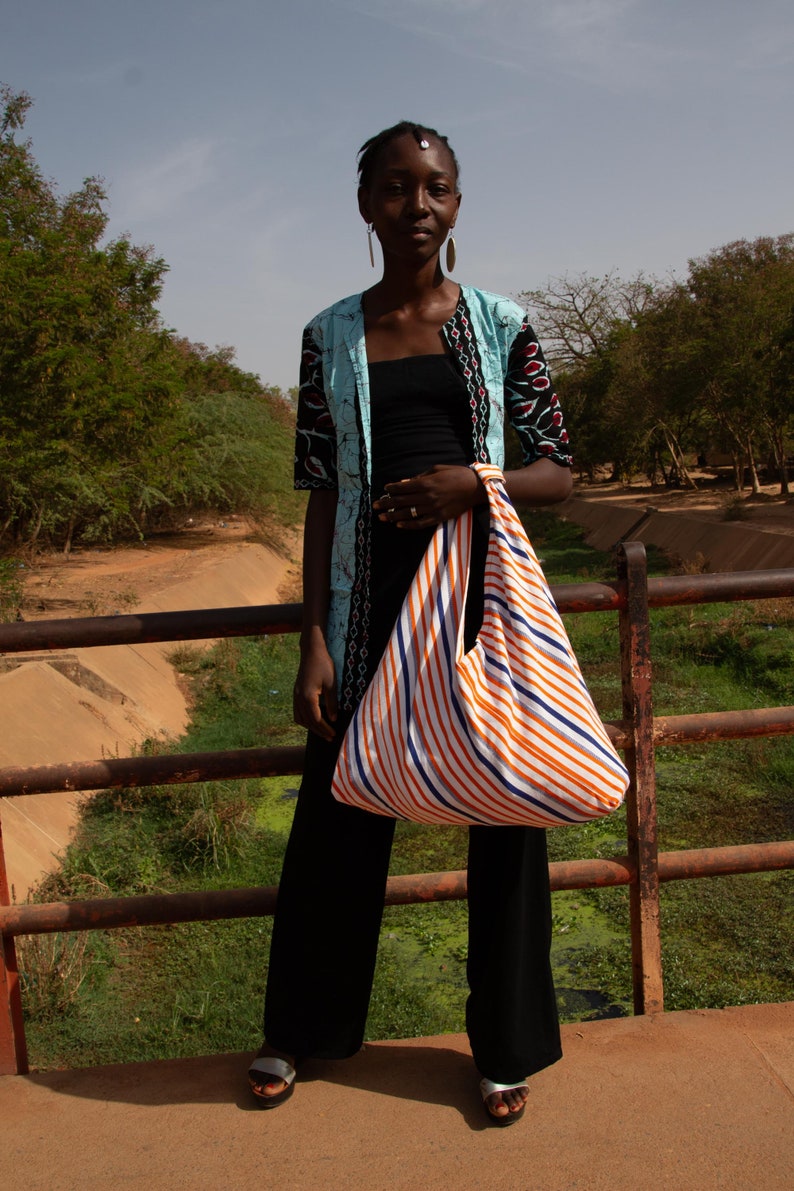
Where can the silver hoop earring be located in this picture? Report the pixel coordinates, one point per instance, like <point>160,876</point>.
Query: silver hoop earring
<point>452,256</point>
<point>370,230</point>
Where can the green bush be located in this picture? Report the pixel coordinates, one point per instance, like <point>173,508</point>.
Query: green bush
<point>11,589</point>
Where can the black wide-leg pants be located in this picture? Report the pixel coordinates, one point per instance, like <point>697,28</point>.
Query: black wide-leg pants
<point>327,923</point>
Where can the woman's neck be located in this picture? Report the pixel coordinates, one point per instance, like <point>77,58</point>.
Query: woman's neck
<point>410,290</point>
<point>407,320</point>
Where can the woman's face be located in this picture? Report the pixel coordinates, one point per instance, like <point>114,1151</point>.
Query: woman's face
<point>411,199</point>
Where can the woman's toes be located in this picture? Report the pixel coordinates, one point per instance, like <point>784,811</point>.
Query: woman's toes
<point>497,1105</point>
<point>266,1084</point>
<point>271,1088</point>
<point>502,1102</point>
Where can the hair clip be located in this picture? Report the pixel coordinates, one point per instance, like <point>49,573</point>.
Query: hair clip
<point>423,144</point>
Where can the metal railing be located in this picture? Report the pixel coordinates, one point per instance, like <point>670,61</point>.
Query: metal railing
<point>638,733</point>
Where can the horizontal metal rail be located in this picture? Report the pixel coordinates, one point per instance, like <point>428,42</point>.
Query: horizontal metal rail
<point>266,619</point>
<point>666,591</point>
<point>169,769</point>
<point>182,768</point>
<point>720,725</point>
<point>146,627</point>
<point>162,909</point>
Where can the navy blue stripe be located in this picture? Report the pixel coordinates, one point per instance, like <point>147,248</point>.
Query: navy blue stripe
<point>501,774</point>
<point>529,629</point>
<point>554,715</point>
<point>361,778</point>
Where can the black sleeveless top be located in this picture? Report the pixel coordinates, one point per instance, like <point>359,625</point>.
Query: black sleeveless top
<point>419,416</point>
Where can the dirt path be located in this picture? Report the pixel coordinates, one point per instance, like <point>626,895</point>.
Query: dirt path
<point>91,703</point>
<point>103,581</point>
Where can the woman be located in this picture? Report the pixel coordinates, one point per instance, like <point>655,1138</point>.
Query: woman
<point>402,388</point>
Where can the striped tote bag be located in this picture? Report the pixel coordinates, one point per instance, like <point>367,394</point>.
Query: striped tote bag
<point>504,734</point>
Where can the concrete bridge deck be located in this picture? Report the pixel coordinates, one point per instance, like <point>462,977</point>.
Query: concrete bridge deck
<point>681,1101</point>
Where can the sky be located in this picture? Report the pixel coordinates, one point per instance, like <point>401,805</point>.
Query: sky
<point>593,136</point>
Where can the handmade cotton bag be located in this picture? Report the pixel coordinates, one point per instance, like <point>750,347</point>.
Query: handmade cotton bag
<point>505,733</point>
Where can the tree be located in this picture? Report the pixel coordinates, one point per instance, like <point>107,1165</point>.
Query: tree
<point>653,387</point>
<point>576,315</point>
<point>110,424</point>
<point>740,346</point>
<point>86,371</point>
<point>585,325</point>
<point>650,371</point>
<point>213,370</point>
<point>778,414</point>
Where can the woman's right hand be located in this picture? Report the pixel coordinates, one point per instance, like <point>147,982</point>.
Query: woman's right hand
<point>314,697</point>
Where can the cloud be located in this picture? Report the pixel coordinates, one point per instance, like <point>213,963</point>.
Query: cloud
<point>624,46</point>
<point>640,44</point>
<point>577,18</point>
<point>612,42</point>
<point>161,187</point>
<point>526,36</point>
<point>403,12</point>
<point>769,48</point>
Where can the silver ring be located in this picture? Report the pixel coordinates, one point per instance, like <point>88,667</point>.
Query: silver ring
<point>413,511</point>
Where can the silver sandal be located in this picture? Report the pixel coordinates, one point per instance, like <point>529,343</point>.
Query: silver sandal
<point>488,1088</point>
<point>279,1069</point>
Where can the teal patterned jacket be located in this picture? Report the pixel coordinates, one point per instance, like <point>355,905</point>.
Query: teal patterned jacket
<point>506,377</point>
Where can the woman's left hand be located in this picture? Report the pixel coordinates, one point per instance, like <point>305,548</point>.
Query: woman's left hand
<point>436,495</point>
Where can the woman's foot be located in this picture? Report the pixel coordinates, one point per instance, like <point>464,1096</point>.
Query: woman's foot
<point>272,1076</point>
<point>504,1103</point>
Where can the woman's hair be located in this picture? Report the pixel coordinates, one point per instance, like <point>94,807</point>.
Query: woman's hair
<point>369,151</point>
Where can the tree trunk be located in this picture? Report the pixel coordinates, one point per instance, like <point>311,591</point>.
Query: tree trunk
<point>37,527</point>
<point>779,452</point>
<point>659,461</point>
<point>678,458</point>
<point>738,469</point>
<point>755,483</point>
<point>67,546</point>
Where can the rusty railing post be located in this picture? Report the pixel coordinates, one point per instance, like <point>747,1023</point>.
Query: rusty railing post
<point>13,1048</point>
<point>635,666</point>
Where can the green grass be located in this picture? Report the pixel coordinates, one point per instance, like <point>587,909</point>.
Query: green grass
<point>193,989</point>
<point>11,588</point>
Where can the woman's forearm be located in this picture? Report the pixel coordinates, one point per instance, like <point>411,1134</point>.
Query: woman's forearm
<point>540,483</point>
<point>317,541</point>
<point>314,695</point>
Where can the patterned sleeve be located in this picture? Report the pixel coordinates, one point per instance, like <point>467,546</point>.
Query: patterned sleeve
<point>315,433</point>
<point>532,405</point>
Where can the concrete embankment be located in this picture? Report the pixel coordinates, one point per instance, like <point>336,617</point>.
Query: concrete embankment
<point>699,540</point>
<point>93,703</point>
